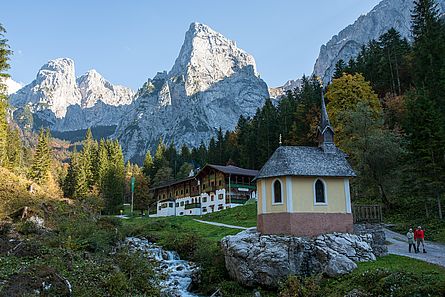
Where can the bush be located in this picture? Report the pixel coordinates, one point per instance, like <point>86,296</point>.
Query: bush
<point>27,228</point>
<point>86,234</point>
<point>5,228</point>
<point>295,286</point>
<point>117,284</point>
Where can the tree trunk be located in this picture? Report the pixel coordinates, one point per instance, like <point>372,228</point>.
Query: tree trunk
<point>385,199</point>
<point>439,205</point>
<point>427,215</point>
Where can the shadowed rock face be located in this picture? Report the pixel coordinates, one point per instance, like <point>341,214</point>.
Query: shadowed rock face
<point>254,259</point>
<point>210,85</point>
<point>347,44</point>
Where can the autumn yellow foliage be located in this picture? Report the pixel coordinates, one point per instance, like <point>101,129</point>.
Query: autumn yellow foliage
<point>343,95</point>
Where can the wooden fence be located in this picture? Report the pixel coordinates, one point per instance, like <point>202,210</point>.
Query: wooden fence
<point>367,213</point>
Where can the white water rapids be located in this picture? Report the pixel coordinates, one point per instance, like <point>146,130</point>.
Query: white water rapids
<point>178,273</point>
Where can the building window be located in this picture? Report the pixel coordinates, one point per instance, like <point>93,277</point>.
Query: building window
<point>220,207</point>
<point>320,192</point>
<point>204,209</point>
<point>220,196</point>
<point>177,204</point>
<point>277,192</point>
<point>186,191</point>
<point>182,203</point>
<point>204,199</point>
<point>220,183</point>
<point>212,198</point>
<point>170,205</point>
<point>181,213</point>
<point>182,192</point>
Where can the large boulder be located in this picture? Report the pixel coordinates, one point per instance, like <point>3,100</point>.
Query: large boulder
<point>255,259</point>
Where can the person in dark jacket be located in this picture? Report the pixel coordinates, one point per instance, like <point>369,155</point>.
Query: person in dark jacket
<point>419,237</point>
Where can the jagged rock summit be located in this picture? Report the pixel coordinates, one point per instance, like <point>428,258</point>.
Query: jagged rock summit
<point>54,88</point>
<point>63,102</point>
<point>347,44</point>
<point>210,85</point>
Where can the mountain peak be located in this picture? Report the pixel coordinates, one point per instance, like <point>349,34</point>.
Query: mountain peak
<point>207,57</point>
<point>199,28</point>
<point>93,72</point>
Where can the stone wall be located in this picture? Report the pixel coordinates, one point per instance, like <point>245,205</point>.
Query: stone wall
<point>377,237</point>
<point>254,259</point>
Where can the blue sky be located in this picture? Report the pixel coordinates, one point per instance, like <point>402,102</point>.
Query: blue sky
<point>129,41</point>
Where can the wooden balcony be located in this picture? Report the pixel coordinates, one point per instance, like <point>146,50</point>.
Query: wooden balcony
<point>192,205</point>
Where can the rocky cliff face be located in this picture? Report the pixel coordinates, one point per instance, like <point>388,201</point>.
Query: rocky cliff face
<point>211,84</point>
<point>346,45</point>
<point>60,101</point>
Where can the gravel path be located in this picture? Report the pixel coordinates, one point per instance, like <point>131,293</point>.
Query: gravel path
<point>221,225</point>
<point>399,246</point>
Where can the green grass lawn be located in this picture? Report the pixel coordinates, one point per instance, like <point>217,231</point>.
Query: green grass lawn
<point>161,229</point>
<point>390,276</point>
<point>244,216</point>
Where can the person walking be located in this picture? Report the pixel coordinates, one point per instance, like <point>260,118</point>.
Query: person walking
<point>419,237</point>
<point>410,237</point>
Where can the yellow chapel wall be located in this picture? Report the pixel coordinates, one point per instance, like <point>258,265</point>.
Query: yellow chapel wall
<point>302,195</point>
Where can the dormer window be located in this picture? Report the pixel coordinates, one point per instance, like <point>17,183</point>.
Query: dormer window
<point>320,192</point>
<point>277,192</point>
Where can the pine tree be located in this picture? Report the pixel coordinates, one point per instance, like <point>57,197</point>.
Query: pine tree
<point>148,166</point>
<point>113,183</point>
<point>102,163</point>
<point>340,68</point>
<point>5,52</point>
<point>89,156</point>
<point>69,184</point>
<point>14,148</point>
<point>40,169</point>
<point>141,191</point>
<point>81,189</point>
<point>160,160</point>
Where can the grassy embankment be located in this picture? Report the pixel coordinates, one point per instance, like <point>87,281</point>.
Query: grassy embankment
<point>74,247</point>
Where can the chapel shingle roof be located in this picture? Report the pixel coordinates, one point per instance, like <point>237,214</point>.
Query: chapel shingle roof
<point>306,161</point>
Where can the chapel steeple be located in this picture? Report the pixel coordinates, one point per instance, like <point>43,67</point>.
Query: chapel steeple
<point>325,130</point>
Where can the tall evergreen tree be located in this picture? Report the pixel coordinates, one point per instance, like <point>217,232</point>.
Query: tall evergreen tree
<point>14,148</point>
<point>40,169</point>
<point>89,155</point>
<point>148,166</point>
<point>5,52</point>
<point>102,163</point>
<point>69,183</point>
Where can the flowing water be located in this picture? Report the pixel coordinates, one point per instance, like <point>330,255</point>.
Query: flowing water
<point>178,273</point>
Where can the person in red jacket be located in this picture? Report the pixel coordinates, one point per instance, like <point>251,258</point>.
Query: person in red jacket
<point>419,236</point>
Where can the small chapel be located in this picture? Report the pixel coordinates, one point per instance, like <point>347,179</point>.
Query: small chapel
<point>304,191</point>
